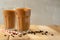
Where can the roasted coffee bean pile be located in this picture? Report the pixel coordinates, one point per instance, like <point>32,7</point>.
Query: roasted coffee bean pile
<point>31,32</point>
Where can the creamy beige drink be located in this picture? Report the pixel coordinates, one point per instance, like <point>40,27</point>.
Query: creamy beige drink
<point>23,15</point>
<point>9,18</point>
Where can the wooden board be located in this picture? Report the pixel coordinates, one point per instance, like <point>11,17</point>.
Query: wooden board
<point>39,36</point>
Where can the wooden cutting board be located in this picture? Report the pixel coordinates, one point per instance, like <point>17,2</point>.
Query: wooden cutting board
<point>38,36</point>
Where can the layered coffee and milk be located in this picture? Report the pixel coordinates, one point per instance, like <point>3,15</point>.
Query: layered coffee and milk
<point>23,15</point>
<point>9,19</point>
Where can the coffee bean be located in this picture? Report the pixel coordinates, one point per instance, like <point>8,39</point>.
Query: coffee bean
<point>41,31</point>
<point>30,32</point>
<point>12,35</point>
<point>20,35</point>
<point>5,35</point>
<point>34,33</point>
<point>24,33</point>
<point>37,31</point>
<point>52,34</point>
<point>46,32</point>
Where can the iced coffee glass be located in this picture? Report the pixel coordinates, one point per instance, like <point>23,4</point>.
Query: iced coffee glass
<point>9,19</point>
<point>23,15</point>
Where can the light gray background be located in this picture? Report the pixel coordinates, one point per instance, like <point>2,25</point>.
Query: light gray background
<point>43,11</point>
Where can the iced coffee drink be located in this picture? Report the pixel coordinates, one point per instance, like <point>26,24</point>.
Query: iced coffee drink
<point>9,19</point>
<point>23,15</point>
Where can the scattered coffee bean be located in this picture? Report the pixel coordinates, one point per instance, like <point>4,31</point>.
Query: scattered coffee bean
<point>5,35</point>
<point>46,32</point>
<point>41,31</point>
<point>20,35</point>
<point>24,33</point>
<point>30,32</point>
<point>34,33</point>
<point>12,35</point>
<point>37,31</point>
<point>52,34</point>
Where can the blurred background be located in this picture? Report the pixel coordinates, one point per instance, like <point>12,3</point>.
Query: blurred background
<point>44,12</point>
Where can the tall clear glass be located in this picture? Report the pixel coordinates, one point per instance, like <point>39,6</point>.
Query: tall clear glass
<point>23,16</point>
<point>9,19</point>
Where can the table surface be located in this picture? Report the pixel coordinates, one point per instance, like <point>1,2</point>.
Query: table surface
<point>51,30</point>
